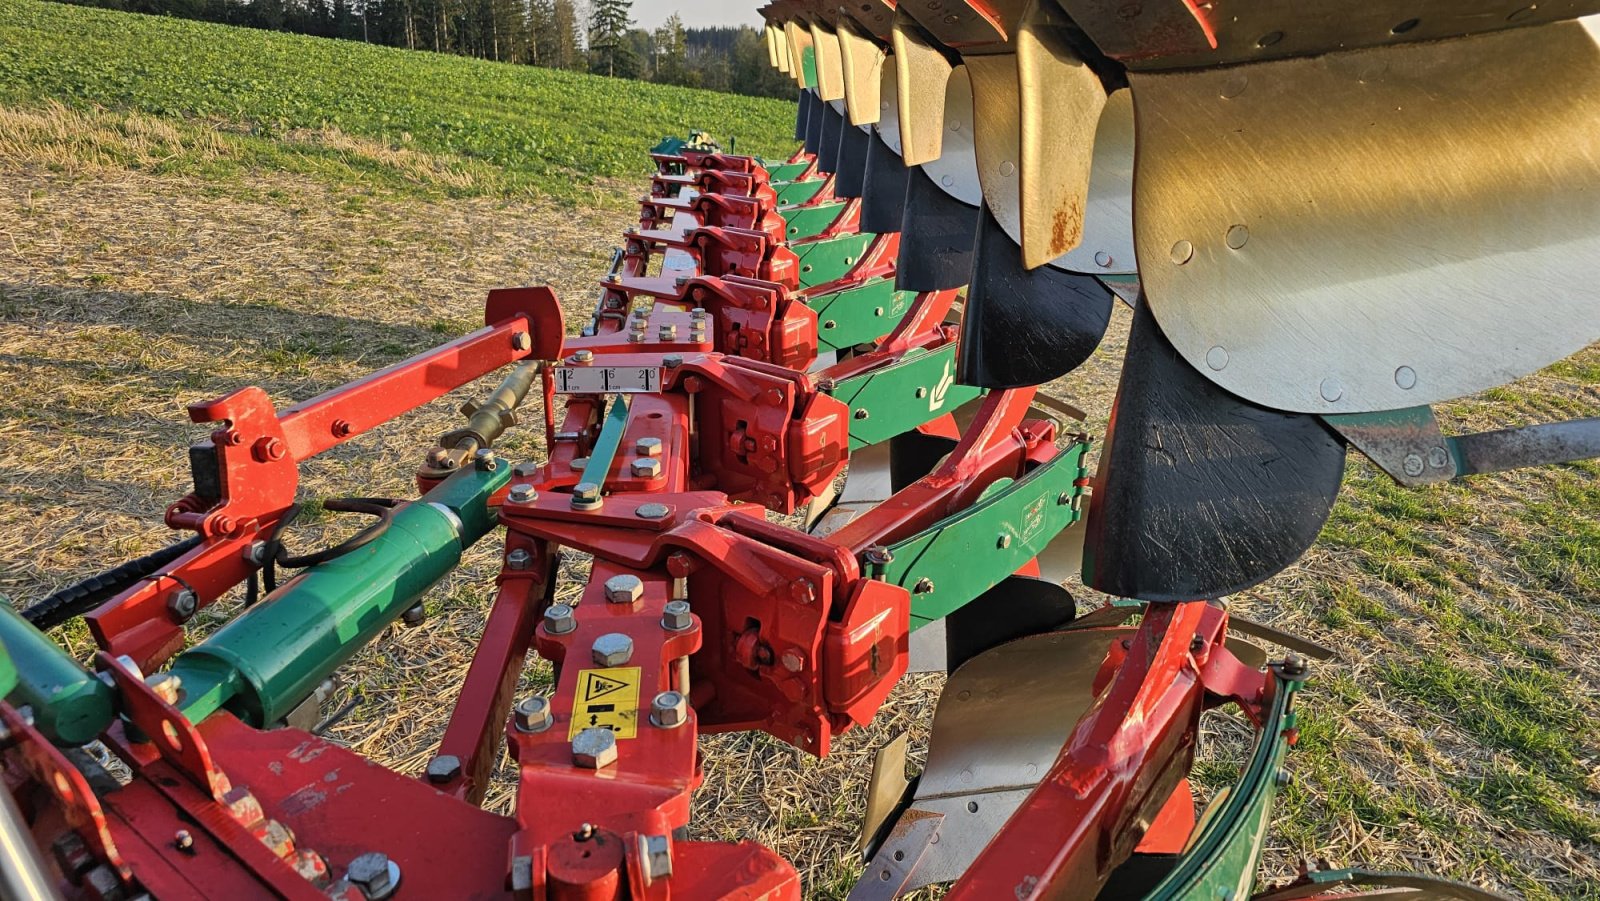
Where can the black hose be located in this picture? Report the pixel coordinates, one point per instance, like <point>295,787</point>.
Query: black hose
<point>381,507</point>
<point>82,597</point>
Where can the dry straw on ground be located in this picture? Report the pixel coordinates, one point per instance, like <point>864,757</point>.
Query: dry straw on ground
<point>124,296</point>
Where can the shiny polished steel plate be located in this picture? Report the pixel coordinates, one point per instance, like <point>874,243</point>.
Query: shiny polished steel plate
<point>1375,229</point>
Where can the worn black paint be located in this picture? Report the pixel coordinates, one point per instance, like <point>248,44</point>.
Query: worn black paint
<point>852,175</point>
<point>1200,493</point>
<point>936,240</point>
<point>883,197</point>
<point>813,124</point>
<point>801,110</point>
<point>1022,326</point>
<point>1016,607</point>
<point>828,148</point>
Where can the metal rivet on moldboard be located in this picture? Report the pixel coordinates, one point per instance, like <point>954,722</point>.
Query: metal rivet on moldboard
<point>1102,259</point>
<point>1008,168</point>
<point>1182,252</point>
<point>1413,464</point>
<point>1238,236</point>
<point>1405,377</point>
<point>947,181</point>
<point>1234,86</point>
<point>1438,458</point>
<point>1217,358</point>
<point>1332,390</point>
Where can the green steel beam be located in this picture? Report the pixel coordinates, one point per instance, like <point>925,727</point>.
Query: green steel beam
<point>960,557</point>
<point>895,399</point>
<point>796,192</point>
<point>786,172</point>
<point>830,259</point>
<point>810,221</point>
<point>859,315</point>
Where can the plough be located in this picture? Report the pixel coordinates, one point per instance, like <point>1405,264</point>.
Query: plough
<point>801,441</point>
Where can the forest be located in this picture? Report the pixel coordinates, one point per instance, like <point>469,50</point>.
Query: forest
<point>597,36</point>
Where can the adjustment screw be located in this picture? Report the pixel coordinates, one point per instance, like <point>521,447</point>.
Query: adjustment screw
<point>624,589</point>
<point>594,748</point>
<point>518,559</point>
<point>675,616</point>
<point>183,604</point>
<point>583,356</point>
<point>443,768</point>
<point>374,874</point>
<point>669,710</point>
<point>485,461</point>
<point>612,649</point>
<point>652,511</point>
<point>646,467</point>
<point>522,493</point>
<point>559,619</point>
<point>532,714</point>
<point>648,447</point>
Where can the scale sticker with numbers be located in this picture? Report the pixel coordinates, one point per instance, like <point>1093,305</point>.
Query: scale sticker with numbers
<point>607,699</point>
<point>608,379</point>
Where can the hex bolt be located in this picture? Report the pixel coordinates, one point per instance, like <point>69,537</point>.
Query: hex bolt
<point>484,460</point>
<point>612,649</point>
<point>586,496</point>
<point>583,356</point>
<point>646,467</point>
<point>649,446</point>
<point>443,768</point>
<point>923,586</point>
<point>667,332</point>
<point>580,463</point>
<point>414,615</point>
<point>624,589</point>
<point>652,511</point>
<point>182,604</point>
<point>518,559</point>
<point>532,714</point>
<point>166,686</point>
<point>594,748</point>
<point>636,338</point>
<point>697,313</point>
<point>672,361</point>
<point>675,616</point>
<point>521,341</point>
<point>669,710</point>
<point>1294,666</point>
<point>374,874</point>
<point>559,619</point>
<point>1003,542</point>
<point>525,470</point>
<point>638,325</point>
<point>522,493</point>
<point>656,852</point>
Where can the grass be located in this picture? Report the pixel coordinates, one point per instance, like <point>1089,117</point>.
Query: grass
<point>232,99</point>
<point>159,255</point>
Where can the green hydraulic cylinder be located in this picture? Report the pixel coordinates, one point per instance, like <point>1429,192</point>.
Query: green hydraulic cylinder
<point>70,706</point>
<point>269,659</point>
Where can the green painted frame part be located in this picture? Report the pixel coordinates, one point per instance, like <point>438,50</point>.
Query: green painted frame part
<point>891,401</point>
<point>787,172</point>
<point>830,259</point>
<point>1222,862</point>
<point>947,566</point>
<point>797,192</point>
<point>274,655</point>
<point>808,67</point>
<point>809,221</point>
<point>70,706</point>
<point>859,315</point>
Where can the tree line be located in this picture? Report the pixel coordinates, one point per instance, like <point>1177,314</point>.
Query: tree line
<point>597,36</point>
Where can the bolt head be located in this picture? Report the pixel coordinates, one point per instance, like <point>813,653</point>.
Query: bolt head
<point>676,617</point>
<point>669,710</point>
<point>594,748</point>
<point>624,589</point>
<point>583,356</point>
<point>532,714</point>
<point>484,460</point>
<point>443,768</point>
<point>525,470</point>
<point>518,559</point>
<point>522,493</point>
<point>672,361</point>
<point>612,649</point>
<point>648,447</point>
<point>183,603</point>
<point>166,686</point>
<point>522,341</point>
<point>374,874</point>
<point>652,511</point>
<point>559,619</point>
<point>414,615</point>
<point>646,467</point>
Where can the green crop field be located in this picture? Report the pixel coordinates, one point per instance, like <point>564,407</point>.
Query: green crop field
<point>275,98</point>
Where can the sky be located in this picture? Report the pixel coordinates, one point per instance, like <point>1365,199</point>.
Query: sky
<point>649,14</point>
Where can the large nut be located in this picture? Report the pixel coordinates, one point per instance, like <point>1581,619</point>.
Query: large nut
<point>559,619</point>
<point>669,710</point>
<point>519,559</point>
<point>624,589</point>
<point>676,616</point>
<point>374,874</point>
<point>532,714</point>
<point>443,768</point>
<point>646,467</point>
<point>613,649</point>
<point>594,748</point>
<point>649,446</point>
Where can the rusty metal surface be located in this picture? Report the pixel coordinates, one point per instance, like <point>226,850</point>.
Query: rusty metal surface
<point>1428,254</point>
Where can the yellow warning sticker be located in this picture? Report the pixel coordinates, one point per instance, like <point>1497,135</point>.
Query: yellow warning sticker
<point>607,699</point>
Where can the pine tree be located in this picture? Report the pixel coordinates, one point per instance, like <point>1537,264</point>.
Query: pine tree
<point>668,45</point>
<point>608,33</point>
